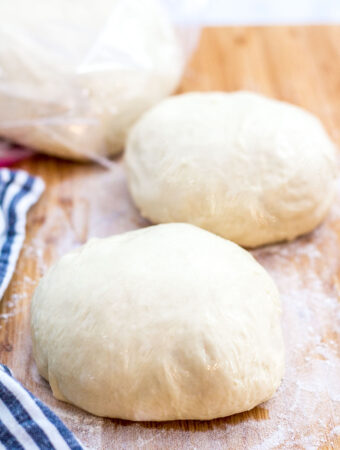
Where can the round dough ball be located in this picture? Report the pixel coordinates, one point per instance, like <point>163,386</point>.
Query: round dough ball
<point>248,168</point>
<point>168,322</point>
<point>100,65</point>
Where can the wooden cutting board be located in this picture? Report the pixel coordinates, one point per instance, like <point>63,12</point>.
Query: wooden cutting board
<point>297,64</point>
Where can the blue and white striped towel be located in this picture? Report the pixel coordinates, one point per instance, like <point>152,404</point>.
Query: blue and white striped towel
<point>25,422</point>
<point>18,192</point>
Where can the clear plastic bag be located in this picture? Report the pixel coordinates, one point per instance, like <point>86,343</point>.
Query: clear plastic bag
<point>75,75</point>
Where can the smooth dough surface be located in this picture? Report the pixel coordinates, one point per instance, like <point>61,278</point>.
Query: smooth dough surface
<point>168,322</point>
<point>251,169</point>
<point>75,92</point>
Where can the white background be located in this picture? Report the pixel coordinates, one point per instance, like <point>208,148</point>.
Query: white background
<point>242,12</point>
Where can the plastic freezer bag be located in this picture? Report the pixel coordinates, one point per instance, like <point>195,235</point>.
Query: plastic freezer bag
<point>75,75</point>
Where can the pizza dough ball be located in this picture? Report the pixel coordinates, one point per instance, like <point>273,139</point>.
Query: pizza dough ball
<point>75,92</point>
<point>168,322</point>
<point>248,168</point>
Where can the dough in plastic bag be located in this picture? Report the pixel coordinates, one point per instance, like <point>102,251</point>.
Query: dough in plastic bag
<point>75,75</point>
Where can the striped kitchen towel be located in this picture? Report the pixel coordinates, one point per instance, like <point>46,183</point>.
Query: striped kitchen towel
<point>26,423</point>
<point>18,192</point>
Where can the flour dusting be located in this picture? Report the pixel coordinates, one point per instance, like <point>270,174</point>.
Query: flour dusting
<point>305,411</point>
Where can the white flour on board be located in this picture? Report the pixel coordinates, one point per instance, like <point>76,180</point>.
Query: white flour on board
<point>304,413</point>
<point>307,406</point>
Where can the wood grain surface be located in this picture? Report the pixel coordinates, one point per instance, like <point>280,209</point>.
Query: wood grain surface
<point>297,64</point>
